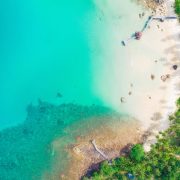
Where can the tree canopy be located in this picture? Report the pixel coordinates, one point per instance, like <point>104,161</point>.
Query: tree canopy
<point>137,152</point>
<point>177,7</point>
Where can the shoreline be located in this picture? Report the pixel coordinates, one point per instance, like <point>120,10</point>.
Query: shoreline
<point>173,92</point>
<point>111,138</point>
<point>152,113</point>
<point>134,89</point>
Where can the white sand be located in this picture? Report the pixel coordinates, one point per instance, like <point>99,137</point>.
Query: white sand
<point>155,45</point>
<point>134,64</point>
<point>151,101</point>
<point>168,92</point>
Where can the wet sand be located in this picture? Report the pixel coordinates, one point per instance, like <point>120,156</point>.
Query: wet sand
<point>110,138</point>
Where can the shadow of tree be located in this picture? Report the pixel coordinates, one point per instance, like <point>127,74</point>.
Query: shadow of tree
<point>175,37</point>
<point>177,86</point>
<point>156,116</point>
<point>162,101</point>
<point>163,87</point>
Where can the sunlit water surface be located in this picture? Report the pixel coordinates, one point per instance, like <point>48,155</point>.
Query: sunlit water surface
<point>57,52</point>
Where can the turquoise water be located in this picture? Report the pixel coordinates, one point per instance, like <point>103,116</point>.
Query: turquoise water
<point>44,51</point>
<point>49,47</point>
<point>57,52</point>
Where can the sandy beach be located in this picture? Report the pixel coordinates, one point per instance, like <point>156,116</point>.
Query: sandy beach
<point>145,85</point>
<point>150,102</point>
<point>166,93</point>
<point>83,82</point>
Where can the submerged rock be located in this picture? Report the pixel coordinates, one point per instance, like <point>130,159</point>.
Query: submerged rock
<point>175,67</point>
<point>24,150</point>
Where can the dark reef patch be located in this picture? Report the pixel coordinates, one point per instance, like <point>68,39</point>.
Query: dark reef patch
<point>24,150</point>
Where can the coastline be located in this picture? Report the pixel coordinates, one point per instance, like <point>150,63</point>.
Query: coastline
<point>152,113</point>
<point>173,90</point>
<point>115,134</point>
<point>114,97</point>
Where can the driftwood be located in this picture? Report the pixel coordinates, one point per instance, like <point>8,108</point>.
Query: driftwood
<point>98,150</point>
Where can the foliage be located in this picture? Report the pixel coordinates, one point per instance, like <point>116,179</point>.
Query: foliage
<point>177,7</point>
<point>178,103</point>
<point>137,152</point>
<point>162,162</point>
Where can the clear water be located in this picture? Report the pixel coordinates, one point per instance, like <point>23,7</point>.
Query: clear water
<point>59,52</point>
<point>44,51</point>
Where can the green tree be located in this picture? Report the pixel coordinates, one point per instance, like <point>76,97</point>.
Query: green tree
<point>177,7</point>
<point>137,153</point>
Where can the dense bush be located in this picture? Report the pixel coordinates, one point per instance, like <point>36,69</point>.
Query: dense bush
<point>177,7</point>
<point>137,152</point>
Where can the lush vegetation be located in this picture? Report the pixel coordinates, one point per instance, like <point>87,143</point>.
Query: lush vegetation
<point>137,153</point>
<point>177,7</point>
<point>162,162</point>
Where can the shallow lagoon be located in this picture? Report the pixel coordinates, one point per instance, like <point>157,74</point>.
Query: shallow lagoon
<point>61,53</point>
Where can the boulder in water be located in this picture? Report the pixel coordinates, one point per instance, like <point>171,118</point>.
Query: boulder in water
<point>175,67</point>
